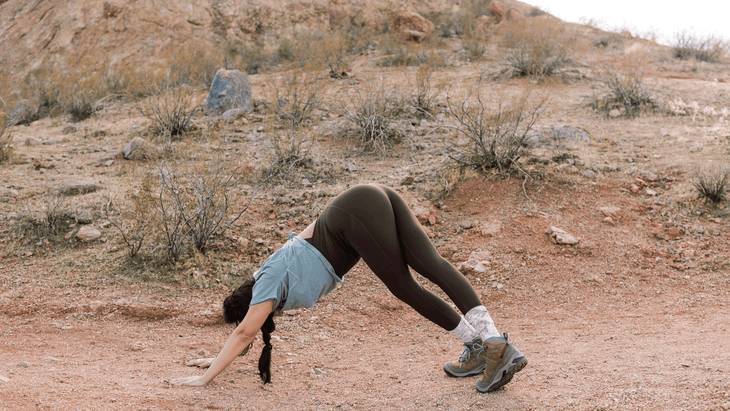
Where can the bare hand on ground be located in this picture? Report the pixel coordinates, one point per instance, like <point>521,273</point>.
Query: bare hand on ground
<point>200,362</point>
<point>194,381</point>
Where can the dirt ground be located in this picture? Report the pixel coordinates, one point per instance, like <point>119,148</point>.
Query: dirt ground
<point>634,317</point>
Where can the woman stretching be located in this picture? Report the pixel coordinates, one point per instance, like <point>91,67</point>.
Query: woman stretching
<point>371,222</point>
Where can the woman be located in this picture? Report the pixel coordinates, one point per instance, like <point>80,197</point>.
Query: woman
<point>371,222</point>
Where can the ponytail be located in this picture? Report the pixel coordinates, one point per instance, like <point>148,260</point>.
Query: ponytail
<point>265,359</point>
<point>235,308</point>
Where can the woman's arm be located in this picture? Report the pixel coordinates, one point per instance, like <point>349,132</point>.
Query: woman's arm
<point>242,336</point>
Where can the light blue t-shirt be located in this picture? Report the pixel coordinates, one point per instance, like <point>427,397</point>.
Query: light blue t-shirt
<point>297,274</point>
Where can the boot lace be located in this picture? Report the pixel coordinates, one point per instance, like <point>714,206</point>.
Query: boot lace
<point>475,347</point>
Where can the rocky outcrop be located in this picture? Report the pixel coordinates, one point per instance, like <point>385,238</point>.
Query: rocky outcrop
<point>498,10</point>
<point>411,25</point>
<point>143,34</point>
<point>514,14</point>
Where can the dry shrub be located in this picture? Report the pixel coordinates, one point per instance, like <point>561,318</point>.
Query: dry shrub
<point>195,65</point>
<point>6,139</point>
<point>491,137</point>
<point>171,110</point>
<point>290,152</point>
<point>297,98</point>
<point>536,48</point>
<point>711,182</point>
<point>81,105</point>
<point>194,199</point>
<point>135,223</point>
<point>450,24</point>
<point>625,91</point>
<point>371,116</point>
<point>424,95</point>
<point>690,45</point>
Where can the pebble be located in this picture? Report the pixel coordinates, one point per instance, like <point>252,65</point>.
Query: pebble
<point>23,364</point>
<point>4,379</point>
<point>650,192</point>
<point>88,233</point>
<point>588,174</point>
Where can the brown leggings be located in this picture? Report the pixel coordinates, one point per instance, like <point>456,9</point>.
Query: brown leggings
<point>373,222</point>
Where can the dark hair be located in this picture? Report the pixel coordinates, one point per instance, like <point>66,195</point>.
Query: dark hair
<point>235,307</point>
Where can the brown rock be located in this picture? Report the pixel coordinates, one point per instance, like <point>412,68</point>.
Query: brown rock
<point>498,10</point>
<point>673,233</point>
<point>613,212</point>
<point>482,26</point>
<point>88,233</point>
<point>514,14</point>
<point>411,25</point>
<point>561,237</point>
<point>634,188</point>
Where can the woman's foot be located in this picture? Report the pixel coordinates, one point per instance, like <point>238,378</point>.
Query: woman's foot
<point>503,361</point>
<point>472,360</point>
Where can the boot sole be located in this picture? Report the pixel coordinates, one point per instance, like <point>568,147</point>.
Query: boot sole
<point>516,366</point>
<point>460,374</point>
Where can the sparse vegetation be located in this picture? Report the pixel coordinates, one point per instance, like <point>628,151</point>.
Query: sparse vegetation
<point>491,137</point>
<point>298,98</point>
<point>711,182</point>
<point>424,96</point>
<point>171,110</point>
<point>136,223</point>
<point>81,105</point>
<point>193,202</point>
<point>291,149</point>
<point>371,116</point>
<point>536,48</point>
<point>690,45</point>
<point>6,139</point>
<point>625,92</point>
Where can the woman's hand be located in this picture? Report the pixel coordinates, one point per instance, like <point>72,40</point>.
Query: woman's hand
<point>195,381</point>
<point>200,362</point>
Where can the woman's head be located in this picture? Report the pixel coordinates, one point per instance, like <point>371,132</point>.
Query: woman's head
<point>235,307</point>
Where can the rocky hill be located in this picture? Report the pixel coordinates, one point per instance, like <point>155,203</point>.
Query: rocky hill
<point>141,32</point>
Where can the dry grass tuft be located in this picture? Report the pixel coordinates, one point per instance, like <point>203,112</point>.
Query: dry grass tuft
<point>689,45</point>
<point>536,48</point>
<point>711,182</point>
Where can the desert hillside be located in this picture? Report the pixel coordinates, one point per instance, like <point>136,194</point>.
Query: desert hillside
<point>577,177</point>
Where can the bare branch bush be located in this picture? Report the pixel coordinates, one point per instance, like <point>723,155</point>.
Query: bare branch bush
<point>625,92</point>
<point>424,96</point>
<point>690,45</point>
<point>537,48</point>
<point>711,182</point>
<point>194,199</point>
<point>6,139</point>
<point>81,105</point>
<point>171,110</point>
<point>491,137</point>
<point>371,116</point>
<point>297,99</point>
<point>291,150</point>
<point>135,223</point>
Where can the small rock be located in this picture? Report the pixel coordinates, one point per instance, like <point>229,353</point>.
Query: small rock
<point>614,113</point>
<point>589,174</point>
<point>610,211</point>
<point>23,364</point>
<point>84,217</point>
<point>12,193</point>
<point>570,134</point>
<point>609,220</point>
<point>650,192</point>
<point>32,141</point>
<point>689,253</point>
<point>716,232</point>
<point>634,188</point>
<point>139,149</point>
<point>80,187</point>
<point>649,175</point>
<point>50,142</point>
<point>350,166</point>
<point>4,379</point>
<point>561,237</point>
<point>108,163</point>
<point>673,233</point>
<point>88,233</point>
<point>69,129</point>
<point>466,224</point>
<point>306,182</point>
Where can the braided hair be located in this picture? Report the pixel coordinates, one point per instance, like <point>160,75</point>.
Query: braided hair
<point>235,307</point>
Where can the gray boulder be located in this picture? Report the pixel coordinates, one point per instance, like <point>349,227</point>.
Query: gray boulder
<point>570,134</point>
<point>139,149</point>
<point>80,187</point>
<point>230,89</point>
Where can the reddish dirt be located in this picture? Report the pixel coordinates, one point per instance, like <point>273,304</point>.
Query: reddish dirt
<point>616,322</point>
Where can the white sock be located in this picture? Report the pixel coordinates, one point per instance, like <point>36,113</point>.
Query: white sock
<point>482,322</point>
<point>464,331</point>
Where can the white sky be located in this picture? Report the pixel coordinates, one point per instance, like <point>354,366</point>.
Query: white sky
<point>665,17</point>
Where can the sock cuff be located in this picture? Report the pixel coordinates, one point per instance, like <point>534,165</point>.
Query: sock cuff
<point>464,331</point>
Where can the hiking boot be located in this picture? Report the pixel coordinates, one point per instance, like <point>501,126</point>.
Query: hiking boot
<point>471,362</point>
<point>503,360</point>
